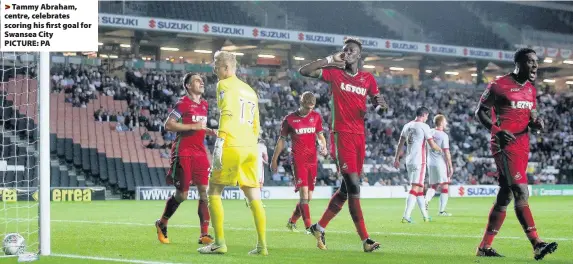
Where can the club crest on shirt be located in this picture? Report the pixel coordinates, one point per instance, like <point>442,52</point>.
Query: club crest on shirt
<point>312,119</point>
<point>517,176</point>
<point>362,79</point>
<point>221,95</point>
<point>529,90</point>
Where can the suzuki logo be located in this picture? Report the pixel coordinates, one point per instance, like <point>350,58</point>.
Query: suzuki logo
<point>255,32</point>
<point>152,23</point>
<point>206,28</point>
<point>461,191</point>
<point>300,36</point>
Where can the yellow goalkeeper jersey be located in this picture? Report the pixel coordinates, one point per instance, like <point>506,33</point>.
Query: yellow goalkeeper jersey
<point>239,107</point>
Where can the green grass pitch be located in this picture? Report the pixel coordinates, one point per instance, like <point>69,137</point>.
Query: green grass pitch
<point>116,230</point>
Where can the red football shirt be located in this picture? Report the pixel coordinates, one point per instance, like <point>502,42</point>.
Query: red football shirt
<point>348,101</point>
<point>302,130</point>
<point>189,143</point>
<point>511,104</point>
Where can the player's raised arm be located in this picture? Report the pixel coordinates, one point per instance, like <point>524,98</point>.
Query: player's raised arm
<point>314,69</point>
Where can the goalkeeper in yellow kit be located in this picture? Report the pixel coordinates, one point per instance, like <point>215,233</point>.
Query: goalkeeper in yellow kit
<point>236,153</point>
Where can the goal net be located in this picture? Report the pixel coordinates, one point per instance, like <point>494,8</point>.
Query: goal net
<point>21,171</point>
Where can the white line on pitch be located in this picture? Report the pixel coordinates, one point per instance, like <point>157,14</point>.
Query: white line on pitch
<point>284,230</point>
<point>110,259</point>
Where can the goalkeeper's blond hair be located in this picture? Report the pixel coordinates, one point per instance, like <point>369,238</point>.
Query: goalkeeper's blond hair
<point>227,58</point>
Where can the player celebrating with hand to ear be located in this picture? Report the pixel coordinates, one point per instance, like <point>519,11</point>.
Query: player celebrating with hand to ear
<point>236,154</point>
<point>189,161</point>
<point>303,126</point>
<point>349,88</point>
<point>508,109</point>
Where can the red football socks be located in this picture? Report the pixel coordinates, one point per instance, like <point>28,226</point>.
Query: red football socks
<point>493,225</point>
<point>295,214</point>
<point>525,218</point>
<point>170,207</point>
<point>334,206</point>
<point>305,210</point>
<point>204,217</point>
<point>357,217</point>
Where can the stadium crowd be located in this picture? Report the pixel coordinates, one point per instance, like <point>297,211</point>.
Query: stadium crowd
<point>151,93</point>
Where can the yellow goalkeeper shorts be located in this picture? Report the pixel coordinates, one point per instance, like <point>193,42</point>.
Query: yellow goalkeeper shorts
<point>239,166</point>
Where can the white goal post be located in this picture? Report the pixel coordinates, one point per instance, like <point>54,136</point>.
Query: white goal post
<point>44,150</point>
<point>25,150</point>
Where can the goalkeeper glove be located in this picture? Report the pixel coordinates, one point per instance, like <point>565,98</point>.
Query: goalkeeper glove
<point>218,153</point>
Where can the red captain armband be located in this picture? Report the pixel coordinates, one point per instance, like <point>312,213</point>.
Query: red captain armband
<point>495,129</point>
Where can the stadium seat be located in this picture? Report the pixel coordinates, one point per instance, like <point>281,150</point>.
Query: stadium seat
<point>138,178</point>
<point>77,152</point>
<point>103,166</point>
<point>145,175</point>
<point>129,177</point>
<point>153,177</point>
<point>53,143</point>
<point>85,164</point>
<point>60,147</point>
<point>73,181</point>
<point>55,176</point>
<point>111,171</point>
<point>64,179</point>
<point>120,173</point>
<point>69,150</point>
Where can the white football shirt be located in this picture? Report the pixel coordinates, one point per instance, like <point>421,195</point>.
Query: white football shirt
<point>443,141</point>
<point>416,134</point>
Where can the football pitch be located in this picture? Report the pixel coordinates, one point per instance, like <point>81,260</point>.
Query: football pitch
<point>123,232</point>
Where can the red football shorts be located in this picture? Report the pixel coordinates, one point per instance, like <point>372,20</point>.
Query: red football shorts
<point>304,174</point>
<point>512,161</point>
<point>350,151</point>
<point>187,171</point>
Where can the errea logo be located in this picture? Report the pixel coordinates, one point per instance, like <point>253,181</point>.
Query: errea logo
<point>353,89</point>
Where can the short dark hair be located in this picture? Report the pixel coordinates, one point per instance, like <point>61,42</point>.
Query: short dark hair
<point>353,40</point>
<point>422,110</point>
<point>187,79</point>
<point>521,53</point>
